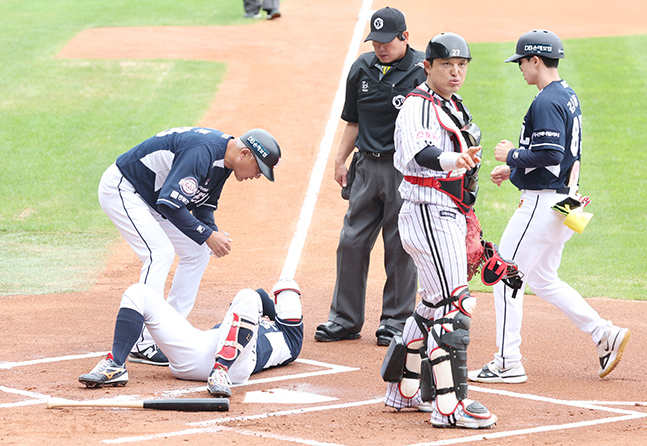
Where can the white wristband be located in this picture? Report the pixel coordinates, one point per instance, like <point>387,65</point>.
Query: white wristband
<point>448,160</point>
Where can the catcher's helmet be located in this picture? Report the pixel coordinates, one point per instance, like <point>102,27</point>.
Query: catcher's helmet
<point>538,42</point>
<point>265,149</point>
<point>446,45</point>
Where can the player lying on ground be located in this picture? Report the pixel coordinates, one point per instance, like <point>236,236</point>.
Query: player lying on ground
<point>256,333</point>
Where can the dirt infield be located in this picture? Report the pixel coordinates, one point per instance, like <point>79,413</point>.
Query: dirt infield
<point>283,75</point>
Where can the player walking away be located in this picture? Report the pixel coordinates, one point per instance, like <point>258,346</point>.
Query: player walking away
<point>376,86</point>
<point>440,165</point>
<point>162,195</point>
<point>257,332</point>
<point>545,168</point>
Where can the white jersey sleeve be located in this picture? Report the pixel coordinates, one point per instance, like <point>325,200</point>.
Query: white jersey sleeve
<point>417,127</point>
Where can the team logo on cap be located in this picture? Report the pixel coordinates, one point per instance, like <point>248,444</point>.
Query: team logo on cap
<point>378,23</point>
<point>258,147</point>
<point>537,48</point>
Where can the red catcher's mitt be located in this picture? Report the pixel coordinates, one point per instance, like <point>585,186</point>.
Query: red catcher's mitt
<point>473,244</point>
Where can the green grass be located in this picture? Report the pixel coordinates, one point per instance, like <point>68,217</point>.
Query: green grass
<point>65,121</point>
<point>608,74</point>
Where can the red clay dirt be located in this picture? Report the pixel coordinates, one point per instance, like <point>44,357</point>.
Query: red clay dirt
<point>282,75</point>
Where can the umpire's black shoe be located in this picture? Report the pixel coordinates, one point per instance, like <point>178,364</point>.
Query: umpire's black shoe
<point>331,331</point>
<point>385,333</point>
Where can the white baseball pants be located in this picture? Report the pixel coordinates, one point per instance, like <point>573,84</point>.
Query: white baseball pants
<point>155,240</point>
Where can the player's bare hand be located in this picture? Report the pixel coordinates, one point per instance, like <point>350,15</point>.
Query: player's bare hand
<point>219,243</point>
<point>501,150</point>
<point>469,159</point>
<point>500,174</point>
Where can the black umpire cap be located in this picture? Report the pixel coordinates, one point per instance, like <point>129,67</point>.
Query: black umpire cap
<point>387,24</point>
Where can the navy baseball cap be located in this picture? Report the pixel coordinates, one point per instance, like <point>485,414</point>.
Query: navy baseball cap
<point>265,149</point>
<point>538,42</point>
<point>386,24</point>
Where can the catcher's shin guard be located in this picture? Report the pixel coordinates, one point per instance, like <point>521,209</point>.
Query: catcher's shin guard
<point>449,358</point>
<point>402,365</point>
<point>239,332</point>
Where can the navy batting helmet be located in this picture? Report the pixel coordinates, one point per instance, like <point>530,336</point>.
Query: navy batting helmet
<point>265,149</point>
<point>446,45</point>
<point>538,43</point>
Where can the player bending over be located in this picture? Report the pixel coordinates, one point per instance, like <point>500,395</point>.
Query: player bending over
<point>257,333</point>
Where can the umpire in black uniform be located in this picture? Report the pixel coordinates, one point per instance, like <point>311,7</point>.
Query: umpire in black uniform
<point>376,87</point>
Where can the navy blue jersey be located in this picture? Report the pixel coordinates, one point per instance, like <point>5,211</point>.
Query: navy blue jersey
<point>553,122</point>
<point>279,343</point>
<point>180,167</point>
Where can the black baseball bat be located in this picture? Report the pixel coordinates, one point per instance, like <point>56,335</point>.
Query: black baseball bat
<point>180,404</point>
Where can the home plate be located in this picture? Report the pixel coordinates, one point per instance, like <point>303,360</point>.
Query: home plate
<point>282,396</point>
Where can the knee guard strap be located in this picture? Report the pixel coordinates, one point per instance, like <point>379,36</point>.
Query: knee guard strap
<point>287,298</point>
<point>427,386</point>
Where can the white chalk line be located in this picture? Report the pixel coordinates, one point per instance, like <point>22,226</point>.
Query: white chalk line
<point>211,430</point>
<point>599,405</point>
<point>11,365</point>
<point>202,426</point>
<point>329,370</point>
<point>548,428</point>
<point>248,418</point>
<point>316,177</point>
<point>38,398</point>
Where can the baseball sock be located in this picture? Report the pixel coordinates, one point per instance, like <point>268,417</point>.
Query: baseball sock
<point>127,330</point>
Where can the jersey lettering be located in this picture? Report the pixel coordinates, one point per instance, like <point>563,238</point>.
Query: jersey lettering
<point>202,195</point>
<point>572,104</point>
<point>576,141</point>
<point>525,142</point>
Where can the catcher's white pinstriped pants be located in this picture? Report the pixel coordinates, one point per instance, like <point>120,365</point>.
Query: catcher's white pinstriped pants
<point>434,237</point>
